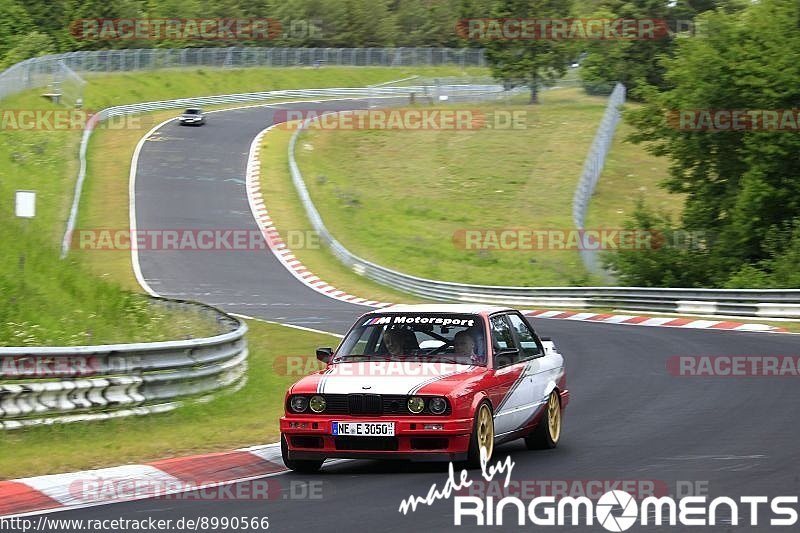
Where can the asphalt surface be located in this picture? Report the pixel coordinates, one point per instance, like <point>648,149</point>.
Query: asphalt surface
<point>629,419</point>
<point>193,177</point>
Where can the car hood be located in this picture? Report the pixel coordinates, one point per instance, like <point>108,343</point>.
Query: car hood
<point>386,377</point>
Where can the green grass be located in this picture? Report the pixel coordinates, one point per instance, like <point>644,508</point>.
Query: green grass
<point>285,209</point>
<point>630,174</point>
<point>44,301</point>
<point>398,198</point>
<point>103,90</point>
<point>51,301</point>
<point>243,418</point>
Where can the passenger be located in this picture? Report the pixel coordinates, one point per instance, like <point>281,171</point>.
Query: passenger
<point>465,345</point>
<point>400,342</point>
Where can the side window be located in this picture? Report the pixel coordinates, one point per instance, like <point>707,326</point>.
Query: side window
<point>526,338</point>
<point>503,338</point>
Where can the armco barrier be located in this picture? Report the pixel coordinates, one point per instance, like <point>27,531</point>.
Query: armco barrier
<point>45,385</point>
<point>777,303</point>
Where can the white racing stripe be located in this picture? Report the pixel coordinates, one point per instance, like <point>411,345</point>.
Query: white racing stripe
<point>385,377</point>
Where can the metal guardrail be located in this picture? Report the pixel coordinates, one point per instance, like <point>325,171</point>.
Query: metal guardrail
<point>45,385</point>
<point>777,303</point>
<point>459,90</point>
<point>42,71</point>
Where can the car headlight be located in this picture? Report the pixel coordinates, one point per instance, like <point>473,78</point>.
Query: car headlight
<point>298,404</point>
<point>317,404</point>
<point>437,405</point>
<point>416,404</point>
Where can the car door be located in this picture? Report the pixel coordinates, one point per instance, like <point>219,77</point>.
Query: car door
<point>542,371</point>
<point>515,403</point>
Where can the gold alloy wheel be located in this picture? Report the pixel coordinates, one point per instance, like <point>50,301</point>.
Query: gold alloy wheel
<point>554,416</point>
<point>485,430</point>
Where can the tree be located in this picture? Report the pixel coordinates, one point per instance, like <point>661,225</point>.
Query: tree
<point>742,186</point>
<point>31,45</point>
<point>636,62</point>
<point>532,62</point>
<point>14,21</point>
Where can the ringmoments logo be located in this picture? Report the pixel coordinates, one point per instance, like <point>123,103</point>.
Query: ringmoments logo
<point>615,510</point>
<point>618,510</point>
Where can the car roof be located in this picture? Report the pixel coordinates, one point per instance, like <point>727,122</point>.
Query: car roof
<point>443,308</point>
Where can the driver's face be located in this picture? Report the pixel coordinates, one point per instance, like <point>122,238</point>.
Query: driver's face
<point>464,344</point>
<point>393,343</point>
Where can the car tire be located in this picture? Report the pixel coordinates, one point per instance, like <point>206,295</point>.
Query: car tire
<point>302,466</point>
<point>482,435</point>
<point>547,434</point>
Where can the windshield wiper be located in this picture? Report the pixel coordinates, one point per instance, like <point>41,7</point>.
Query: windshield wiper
<point>447,359</point>
<point>365,359</point>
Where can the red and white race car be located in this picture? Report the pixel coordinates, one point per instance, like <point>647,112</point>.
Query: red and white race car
<point>427,383</point>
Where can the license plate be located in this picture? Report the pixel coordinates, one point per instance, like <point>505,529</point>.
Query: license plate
<point>363,429</point>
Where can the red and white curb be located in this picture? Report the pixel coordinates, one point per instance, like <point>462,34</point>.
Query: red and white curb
<point>160,479</point>
<point>293,265</point>
<point>274,240</point>
<point>666,322</point>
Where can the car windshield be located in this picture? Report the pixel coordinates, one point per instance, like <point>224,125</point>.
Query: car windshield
<point>426,337</point>
<point>192,112</point>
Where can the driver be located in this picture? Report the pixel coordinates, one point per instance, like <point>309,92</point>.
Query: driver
<point>400,341</point>
<point>464,345</point>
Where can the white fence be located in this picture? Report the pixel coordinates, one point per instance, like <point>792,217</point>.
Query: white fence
<point>592,168</point>
<point>42,71</point>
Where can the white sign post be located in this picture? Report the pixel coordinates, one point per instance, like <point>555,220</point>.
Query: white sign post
<point>25,204</point>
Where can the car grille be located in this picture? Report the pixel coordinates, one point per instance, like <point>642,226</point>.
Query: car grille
<point>364,404</point>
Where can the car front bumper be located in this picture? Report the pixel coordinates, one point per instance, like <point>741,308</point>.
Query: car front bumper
<point>310,437</point>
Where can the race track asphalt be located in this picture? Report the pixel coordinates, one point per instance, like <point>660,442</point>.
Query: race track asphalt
<point>629,419</point>
<point>193,177</point>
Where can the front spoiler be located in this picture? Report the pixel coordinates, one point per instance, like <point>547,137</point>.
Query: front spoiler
<point>400,456</point>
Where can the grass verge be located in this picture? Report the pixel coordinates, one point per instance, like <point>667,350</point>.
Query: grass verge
<point>400,198</point>
<point>45,161</point>
<point>285,209</point>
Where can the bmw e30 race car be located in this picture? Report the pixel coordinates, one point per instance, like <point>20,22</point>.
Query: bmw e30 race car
<point>427,383</point>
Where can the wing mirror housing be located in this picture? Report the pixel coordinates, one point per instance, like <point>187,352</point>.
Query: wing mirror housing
<point>325,354</point>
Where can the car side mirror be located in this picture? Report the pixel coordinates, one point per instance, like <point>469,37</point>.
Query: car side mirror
<point>325,354</point>
<point>505,356</point>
